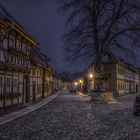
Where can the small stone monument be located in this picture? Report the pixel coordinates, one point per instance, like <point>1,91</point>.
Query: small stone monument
<point>101,95</point>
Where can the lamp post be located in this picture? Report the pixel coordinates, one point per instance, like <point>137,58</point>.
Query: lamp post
<point>90,80</point>
<point>81,83</point>
<point>90,75</point>
<point>76,84</point>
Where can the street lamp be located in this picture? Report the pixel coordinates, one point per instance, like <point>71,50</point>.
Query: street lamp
<point>76,84</point>
<point>90,81</point>
<point>81,83</point>
<point>90,75</point>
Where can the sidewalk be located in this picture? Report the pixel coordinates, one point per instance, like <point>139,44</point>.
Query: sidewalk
<point>127,96</point>
<point>82,94</point>
<point>16,114</point>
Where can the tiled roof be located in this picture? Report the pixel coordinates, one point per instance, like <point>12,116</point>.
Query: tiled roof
<point>37,58</point>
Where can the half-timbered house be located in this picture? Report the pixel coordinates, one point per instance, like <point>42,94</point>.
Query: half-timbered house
<point>117,76</point>
<point>15,47</point>
<point>37,75</point>
<point>41,83</point>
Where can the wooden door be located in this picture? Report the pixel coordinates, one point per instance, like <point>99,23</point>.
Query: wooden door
<point>26,89</point>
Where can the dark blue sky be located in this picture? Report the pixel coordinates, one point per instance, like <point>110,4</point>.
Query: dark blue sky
<point>41,20</point>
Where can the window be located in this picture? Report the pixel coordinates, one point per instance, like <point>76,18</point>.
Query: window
<point>121,70</point>
<point>39,89</point>
<point>8,84</point>
<point>39,72</point>
<point>34,72</point>
<point>121,85</point>
<point>24,48</point>
<point>27,63</point>
<point>127,85</point>
<point>15,84</point>
<point>18,45</point>
<point>2,55</point>
<point>5,43</point>
<point>11,42</point>
<point>1,84</point>
<point>28,50</point>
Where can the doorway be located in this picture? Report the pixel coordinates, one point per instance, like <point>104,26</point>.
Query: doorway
<point>137,88</point>
<point>33,92</point>
<point>26,89</point>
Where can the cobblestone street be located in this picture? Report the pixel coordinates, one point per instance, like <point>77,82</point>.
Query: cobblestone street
<point>71,117</point>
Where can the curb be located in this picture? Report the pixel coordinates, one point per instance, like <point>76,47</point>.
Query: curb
<point>17,114</point>
<point>82,95</point>
<point>126,96</point>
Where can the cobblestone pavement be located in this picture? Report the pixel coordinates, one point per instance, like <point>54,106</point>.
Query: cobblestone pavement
<point>71,117</point>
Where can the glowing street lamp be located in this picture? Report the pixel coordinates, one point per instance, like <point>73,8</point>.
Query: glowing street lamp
<point>81,83</point>
<point>76,83</point>
<point>90,75</point>
<point>90,82</point>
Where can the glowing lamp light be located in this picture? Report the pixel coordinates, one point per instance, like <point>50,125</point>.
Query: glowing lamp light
<point>81,81</point>
<point>91,76</point>
<point>76,83</point>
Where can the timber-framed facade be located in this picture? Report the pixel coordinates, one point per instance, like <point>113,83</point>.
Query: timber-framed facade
<point>40,76</point>
<point>117,76</point>
<point>15,49</point>
<point>25,73</point>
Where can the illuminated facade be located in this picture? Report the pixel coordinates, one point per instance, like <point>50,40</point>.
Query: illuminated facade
<point>117,76</point>
<point>15,50</point>
<point>25,73</point>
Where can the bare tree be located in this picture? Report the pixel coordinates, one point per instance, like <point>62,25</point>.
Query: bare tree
<point>97,27</point>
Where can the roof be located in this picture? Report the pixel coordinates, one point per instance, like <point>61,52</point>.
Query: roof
<point>113,59</point>
<point>39,59</point>
<point>5,15</point>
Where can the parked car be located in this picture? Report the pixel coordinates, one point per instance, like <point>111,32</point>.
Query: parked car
<point>56,89</point>
<point>136,110</point>
<point>72,90</point>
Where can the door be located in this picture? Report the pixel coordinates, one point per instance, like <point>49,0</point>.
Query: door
<point>33,92</point>
<point>137,88</point>
<point>26,89</point>
<point>130,88</point>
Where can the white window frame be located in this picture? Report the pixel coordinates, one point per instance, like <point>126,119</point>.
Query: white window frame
<point>8,84</point>
<point>15,86</point>
<point>11,41</point>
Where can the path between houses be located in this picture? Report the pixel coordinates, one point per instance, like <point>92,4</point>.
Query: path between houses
<point>16,114</point>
